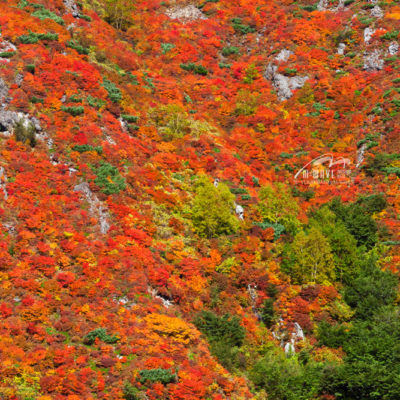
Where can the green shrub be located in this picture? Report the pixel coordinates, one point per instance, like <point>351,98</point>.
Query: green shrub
<point>33,38</point>
<point>114,93</point>
<point>225,329</point>
<point>7,54</point>
<point>74,99</point>
<point>82,148</point>
<point>36,100</point>
<point>95,102</point>
<point>239,27</point>
<point>101,334</point>
<point>109,179</point>
<point>76,46</point>
<point>197,69</point>
<point>161,375</point>
<point>166,47</point>
<point>74,111</point>
<point>390,35</point>
<point>331,335</point>
<point>30,68</point>
<point>227,51</point>
<point>130,392</point>
<point>25,133</point>
<point>129,118</point>
<point>268,315</point>
<point>212,211</point>
<point>43,13</point>
<point>85,17</point>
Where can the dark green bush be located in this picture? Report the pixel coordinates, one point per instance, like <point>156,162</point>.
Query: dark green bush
<point>7,54</point>
<point>197,69</point>
<point>43,13</point>
<point>95,102</point>
<point>74,111</point>
<point>101,334</point>
<point>227,51</point>
<point>161,375</point>
<point>226,328</point>
<point>114,93</point>
<point>78,47</point>
<point>82,148</point>
<point>130,392</point>
<point>239,27</point>
<point>129,118</point>
<point>33,38</point>
<point>109,179</point>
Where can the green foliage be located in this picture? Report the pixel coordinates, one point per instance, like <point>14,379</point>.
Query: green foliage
<point>268,314</point>
<point>25,133</point>
<point>278,228</point>
<point>7,54</point>
<point>227,51</point>
<point>285,378</point>
<point>130,118</point>
<point>114,94</point>
<point>73,44</point>
<point>167,47</point>
<point>109,179</point>
<point>85,17</point>
<point>130,392</point>
<point>241,28</point>
<point>161,375</point>
<point>43,13</point>
<point>212,211</point>
<point>371,290</point>
<point>82,148</point>
<point>343,245</point>
<point>357,217</point>
<point>36,100</point>
<point>173,122</point>
<point>75,99</point>
<point>309,258</point>
<point>277,205</point>
<point>74,111</point>
<point>225,335</point>
<point>390,35</point>
<point>30,68</point>
<point>95,102</point>
<point>372,364</point>
<point>101,334</point>
<point>33,38</point>
<point>197,69</point>
<point>332,335</point>
<point>226,328</point>
<point>119,12</point>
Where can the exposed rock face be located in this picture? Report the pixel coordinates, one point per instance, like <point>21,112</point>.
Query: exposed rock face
<point>3,180</point>
<point>368,32</point>
<point>377,12</point>
<point>360,154</point>
<point>285,85</point>
<point>6,46</point>
<point>393,48</point>
<point>185,14</point>
<point>71,7</point>
<point>283,55</point>
<point>97,208</point>
<point>3,93</point>
<point>323,5</point>
<point>8,119</point>
<point>341,48</point>
<point>373,61</point>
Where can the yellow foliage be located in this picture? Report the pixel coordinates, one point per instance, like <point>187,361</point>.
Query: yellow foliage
<point>172,327</point>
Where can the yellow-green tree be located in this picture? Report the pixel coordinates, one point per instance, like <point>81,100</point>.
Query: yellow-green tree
<point>311,258</point>
<point>213,209</point>
<point>119,12</point>
<point>277,205</point>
